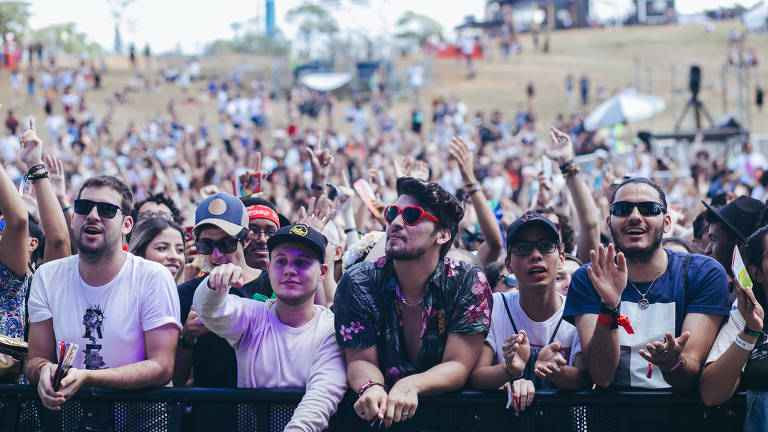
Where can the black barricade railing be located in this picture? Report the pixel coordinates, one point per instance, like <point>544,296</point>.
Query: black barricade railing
<point>197,409</point>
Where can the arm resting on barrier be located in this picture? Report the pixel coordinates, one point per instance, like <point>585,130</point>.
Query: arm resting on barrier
<point>600,349</point>
<point>362,366</point>
<point>720,379</point>
<point>460,356</point>
<point>569,377</point>
<point>487,375</point>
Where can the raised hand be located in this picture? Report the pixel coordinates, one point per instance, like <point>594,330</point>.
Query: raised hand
<point>749,308</point>
<point>31,146</point>
<point>224,276</point>
<point>665,354</point>
<point>56,175</point>
<point>549,361</point>
<point>321,162</point>
<point>609,279</point>
<point>317,214</point>
<point>560,148</point>
<point>420,170</point>
<point>517,351</point>
<point>458,150</point>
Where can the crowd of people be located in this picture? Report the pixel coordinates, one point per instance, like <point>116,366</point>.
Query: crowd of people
<point>410,257</point>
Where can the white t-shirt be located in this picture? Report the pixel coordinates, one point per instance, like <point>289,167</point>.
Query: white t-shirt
<point>539,333</point>
<point>107,322</point>
<point>725,337</point>
<point>271,354</point>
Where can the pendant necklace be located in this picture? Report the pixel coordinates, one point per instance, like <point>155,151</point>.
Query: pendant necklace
<point>643,303</point>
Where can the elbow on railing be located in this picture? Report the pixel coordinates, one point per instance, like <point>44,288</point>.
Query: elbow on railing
<point>712,398</point>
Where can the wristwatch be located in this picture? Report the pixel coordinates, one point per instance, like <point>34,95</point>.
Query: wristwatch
<point>183,344</point>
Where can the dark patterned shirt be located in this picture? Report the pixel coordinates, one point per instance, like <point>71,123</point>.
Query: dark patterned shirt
<point>367,312</point>
<point>13,291</point>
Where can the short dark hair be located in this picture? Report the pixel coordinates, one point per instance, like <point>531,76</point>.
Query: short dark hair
<point>437,201</point>
<point>642,180</point>
<point>563,226</point>
<point>145,231</point>
<point>36,231</point>
<point>569,257</point>
<point>114,183</point>
<point>700,224</point>
<point>493,272</point>
<point>159,199</point>
<point>690,247</point>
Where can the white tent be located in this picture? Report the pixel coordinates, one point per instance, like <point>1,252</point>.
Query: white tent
<point>627,105</point>
<point>756,19</point>
<point>325,82</point>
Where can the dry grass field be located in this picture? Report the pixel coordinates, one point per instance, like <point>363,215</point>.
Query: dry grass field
<point>607,56</point>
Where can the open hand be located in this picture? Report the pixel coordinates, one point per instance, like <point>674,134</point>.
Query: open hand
<point>56,175</point>
<point>517,351</point>
<point>458,150</point>
<point>609,279</point>
<point>317,214</point>
<point>549,361</point>
<point>667,353</point>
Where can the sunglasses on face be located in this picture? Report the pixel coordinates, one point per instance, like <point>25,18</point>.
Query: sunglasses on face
<point>645,208</point>
<point>225,245</point>
<point>525,248</point>
<point>411,215</point>
<point>83,207</point>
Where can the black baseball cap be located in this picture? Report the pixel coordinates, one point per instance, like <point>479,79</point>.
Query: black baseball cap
<point>531,218</point>
<point>299,233</point>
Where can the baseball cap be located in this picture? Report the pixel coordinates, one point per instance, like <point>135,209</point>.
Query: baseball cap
<point>299,233</point>
<point>223,210</point>
<point>531,218</point>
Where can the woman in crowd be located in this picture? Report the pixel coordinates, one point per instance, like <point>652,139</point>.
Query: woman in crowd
<point>739,357</point>
<point>160,240</point>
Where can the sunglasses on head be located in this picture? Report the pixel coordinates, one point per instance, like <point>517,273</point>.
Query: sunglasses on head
<point>225,245</point>
<point>510,280</point>
<point>411,214</point>
<point>645,208</point>
<point>524,248</point>
<point>83,207</point>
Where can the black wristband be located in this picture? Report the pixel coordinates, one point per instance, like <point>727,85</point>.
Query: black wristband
<point>316,187</point>
<point>34,168</point>
<point>750,332</point>
<point>349,230</point>
<point>34,177</point>
<point>611,312</point>
<point>566,166</point>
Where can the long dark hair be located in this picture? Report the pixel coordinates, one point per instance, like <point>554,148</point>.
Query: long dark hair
<point>146,231</point>
<point>754,251</point>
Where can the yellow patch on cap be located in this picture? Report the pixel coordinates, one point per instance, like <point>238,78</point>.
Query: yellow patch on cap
<point>299,230</point>
<point>217,207</point>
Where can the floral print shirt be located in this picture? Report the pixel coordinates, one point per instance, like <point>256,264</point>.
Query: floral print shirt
<point>13,315</point>
<point>368,312</point>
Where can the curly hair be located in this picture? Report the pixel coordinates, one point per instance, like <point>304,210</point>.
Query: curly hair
<point>159,199</point>
<point>438,201</point>
<point>567,233</point>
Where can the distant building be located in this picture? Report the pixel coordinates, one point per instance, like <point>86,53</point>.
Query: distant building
<point>653,12</point>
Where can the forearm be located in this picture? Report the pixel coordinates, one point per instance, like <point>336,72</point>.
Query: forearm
<point>32,368</point>
<point>141,374</point>
<point>329,287</point>
<point>182,367</point>
<point>52,219</point>
<point>570,378</point>
<point>684,376</point>
<point>360,371</point>
<point>489,377</point>
<point>350,228</point>
<point>586,209</point>
<point>489,227</point>
<point>601,355</point>
<point>720,378</point>
<point>219,312</point>
<point>442,378</point>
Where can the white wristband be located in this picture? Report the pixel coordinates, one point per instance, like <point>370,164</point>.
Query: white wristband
<point>741,343</point>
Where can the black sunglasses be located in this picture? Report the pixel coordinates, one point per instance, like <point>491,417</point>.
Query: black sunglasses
<point>83,207</point>
<point>646,208</point>
<point>225,245</point>
<point>524,248</point>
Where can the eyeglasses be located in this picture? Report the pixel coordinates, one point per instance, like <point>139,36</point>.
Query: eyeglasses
<point>646,208</point>
<point>267,233</point>
<point>524,248</point>
<point>151,214</point>
<point>225,245</point>
<point>411,215</point>
<point>83,207</point>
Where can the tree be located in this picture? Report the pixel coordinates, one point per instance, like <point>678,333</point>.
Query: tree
<point>313,19</point>
<point>67,38</point>
<point>417,27</point>
<point>14,17</point>
<point>118,7</point>
<point>236,26</point>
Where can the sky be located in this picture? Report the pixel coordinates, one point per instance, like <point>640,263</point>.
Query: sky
<point>190,24</point>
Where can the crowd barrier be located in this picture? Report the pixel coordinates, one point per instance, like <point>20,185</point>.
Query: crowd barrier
<point>197,409</point>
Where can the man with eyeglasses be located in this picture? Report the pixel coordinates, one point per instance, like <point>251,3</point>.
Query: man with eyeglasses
<point>412,323</point>
<point>668,304</point>
<point>120,309</point>
<point>221,235</point>
<point>528,344</point>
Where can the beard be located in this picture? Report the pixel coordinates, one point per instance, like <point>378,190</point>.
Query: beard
<point>639,254</point>
<point>98,252</point>
<point>404,253</point>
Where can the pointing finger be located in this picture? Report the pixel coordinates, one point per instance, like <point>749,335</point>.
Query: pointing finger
<point>31,124</point>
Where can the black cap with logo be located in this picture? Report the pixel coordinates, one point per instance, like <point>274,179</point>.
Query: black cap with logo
<point>299,233</point>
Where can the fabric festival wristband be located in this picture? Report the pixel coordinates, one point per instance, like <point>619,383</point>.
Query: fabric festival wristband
<point>263,212</point>
<point>753,333</point>
<point>368,384</point>
<point>674,368</point>
<point>741,343</point>
<point>316,187</point>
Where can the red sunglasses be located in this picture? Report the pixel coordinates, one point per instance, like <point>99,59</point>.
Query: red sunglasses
<point>411,215</point>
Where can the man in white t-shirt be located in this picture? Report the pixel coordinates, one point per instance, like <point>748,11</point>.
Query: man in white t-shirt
<point>528,341</point>
<point>122,310</point>
<point>287,341</point>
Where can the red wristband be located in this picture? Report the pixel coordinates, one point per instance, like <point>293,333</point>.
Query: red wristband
<point>604,320</point>
<point>368,384</point>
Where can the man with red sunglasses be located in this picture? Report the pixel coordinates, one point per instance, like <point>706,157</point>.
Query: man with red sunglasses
<point>412,323</point>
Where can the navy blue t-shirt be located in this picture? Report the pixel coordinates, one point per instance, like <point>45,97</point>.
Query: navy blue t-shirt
<point>706,293</point>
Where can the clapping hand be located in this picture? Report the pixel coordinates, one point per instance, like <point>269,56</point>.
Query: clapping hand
<point>517,351</point>
<point>608,278</point>
<point>549,361</point>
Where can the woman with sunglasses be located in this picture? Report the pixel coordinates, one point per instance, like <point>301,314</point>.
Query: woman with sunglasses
<point>739,356</point>
<point>161,240</point>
